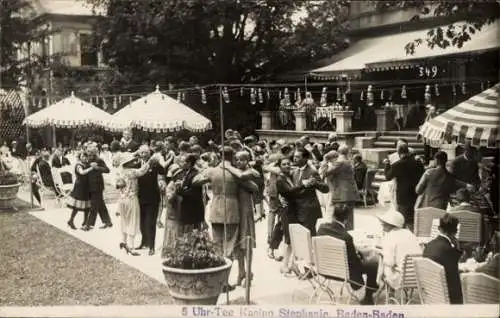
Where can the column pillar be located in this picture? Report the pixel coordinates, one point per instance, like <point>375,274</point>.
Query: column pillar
<point>344,120</point>
<point>385,119</point>
<point>300,120</point>
<point>266,119</point>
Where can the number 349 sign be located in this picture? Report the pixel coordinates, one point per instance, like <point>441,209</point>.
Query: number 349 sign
<point>428,71</point>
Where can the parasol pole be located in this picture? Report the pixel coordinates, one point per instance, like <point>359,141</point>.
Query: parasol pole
<point>221,110</point>
<point>54,142</point>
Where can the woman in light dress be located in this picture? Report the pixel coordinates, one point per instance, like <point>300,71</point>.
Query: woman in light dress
<point>128,203</point>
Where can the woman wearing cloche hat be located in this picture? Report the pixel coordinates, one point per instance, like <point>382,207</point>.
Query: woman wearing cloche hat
<point>396,244</point>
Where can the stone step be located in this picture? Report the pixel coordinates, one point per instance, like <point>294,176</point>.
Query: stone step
<point>393,139</point>
<point>401,133</point>
<point>390,144</point>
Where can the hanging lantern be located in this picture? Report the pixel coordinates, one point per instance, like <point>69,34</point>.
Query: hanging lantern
<point>261,97</point>
<point>298,97</point>
<point>436,89</point>
<point>403,92</point>
<point>268,94</point>
<point>203,96</point>
<point>348,90</point>
<point>454,90</point>
<point>115,103</point>
<point>369,96</point>
<point>427,94</point>
<point>225,95</point>
<point>362,96</point>
<point>241,91</point>
<point>339,96</point>
<point>382,94</point>
<point>464,90</point>
<point>120,99</point>
<point>252,96</point>
<point>179,96</point>
<point>183,96</point>
<point>104,104</point>
<point>324,96</point>
<point>482,86</point>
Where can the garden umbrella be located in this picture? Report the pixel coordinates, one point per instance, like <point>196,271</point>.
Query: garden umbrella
<point>476,120</point>
<point>71,112</point>
<point>157,112</point>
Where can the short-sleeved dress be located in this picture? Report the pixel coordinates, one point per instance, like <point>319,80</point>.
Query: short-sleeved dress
<point>79,198</point>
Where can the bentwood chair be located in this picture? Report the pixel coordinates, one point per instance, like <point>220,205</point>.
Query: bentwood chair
<point>479,288</point>
<point>470,226</point>
<point>431,281</point>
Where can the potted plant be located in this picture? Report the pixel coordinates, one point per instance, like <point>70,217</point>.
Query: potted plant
<point>194,271</point>
<point>9,185</point>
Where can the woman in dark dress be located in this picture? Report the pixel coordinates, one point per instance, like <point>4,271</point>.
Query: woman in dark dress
<point>79,197</point>
<point>288,209</point>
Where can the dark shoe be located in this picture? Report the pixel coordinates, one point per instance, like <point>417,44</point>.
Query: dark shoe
<point>270,253</point>
<point>71,225</point>
<point>123,245</point>
<point>151,252</point>
<point>86,228</point>
<point>130,252</point>
<point>228,288</point>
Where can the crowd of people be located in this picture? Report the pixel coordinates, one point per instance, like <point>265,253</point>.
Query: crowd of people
<point>182,185</point>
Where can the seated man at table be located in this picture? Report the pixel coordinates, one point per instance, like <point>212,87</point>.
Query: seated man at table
<point>359,264</point>
<point>396,244</point>
<point>444,250</point>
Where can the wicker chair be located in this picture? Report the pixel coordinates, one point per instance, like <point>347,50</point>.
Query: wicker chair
<point>423,220</point>
<point>300,240</point>
<point>330,257</point>
<point>431,281</point>
<point>479,288</point>
<point>470,226</point>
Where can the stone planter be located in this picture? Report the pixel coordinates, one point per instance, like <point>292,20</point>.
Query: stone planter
<point>196,286</point>
<point>8,194</point>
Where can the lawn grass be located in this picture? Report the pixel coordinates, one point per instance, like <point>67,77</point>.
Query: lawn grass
<point>43,266</point>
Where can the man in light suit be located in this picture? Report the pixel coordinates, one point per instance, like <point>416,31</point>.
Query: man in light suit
<point>308,206</point>
<point>342,185</point>
<point>223,208</point>
<point>127,143</point>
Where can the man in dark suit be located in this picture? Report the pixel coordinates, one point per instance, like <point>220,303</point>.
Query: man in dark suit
<point>445,251</point>
<point>149,198</point>
<point>308,206</point>
<point>465,167</point>
<point>359,264</point>
<point>192,208</point>
<point>360,170</point>
<point>59,160</point>
<point>407,172</point>
<point>127,143</point>
<point>96,189</point>
<point>332,143</point>
<point>437,184</point>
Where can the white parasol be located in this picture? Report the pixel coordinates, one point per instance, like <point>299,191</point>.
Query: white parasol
<point>157,112</point>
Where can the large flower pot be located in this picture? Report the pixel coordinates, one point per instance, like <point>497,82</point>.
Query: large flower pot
<point>8,195</point>
<point>196,286</point>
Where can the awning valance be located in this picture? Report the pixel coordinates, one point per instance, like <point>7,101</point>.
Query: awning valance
<point>388,52</point>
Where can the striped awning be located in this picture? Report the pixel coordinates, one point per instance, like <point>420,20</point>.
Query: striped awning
<point>476,120</point>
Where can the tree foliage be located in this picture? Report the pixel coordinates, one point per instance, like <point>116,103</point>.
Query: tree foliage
<point>207,41</point>
<point>475,14</point>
